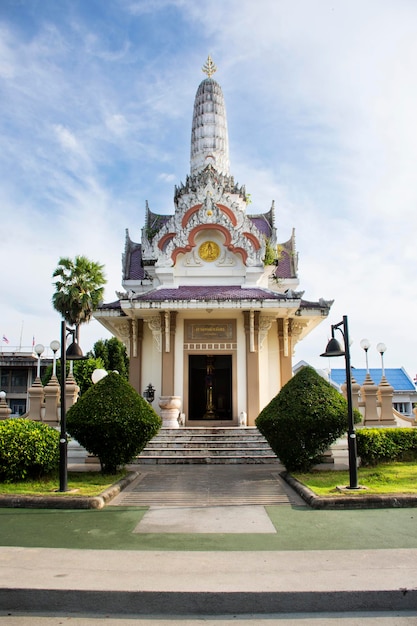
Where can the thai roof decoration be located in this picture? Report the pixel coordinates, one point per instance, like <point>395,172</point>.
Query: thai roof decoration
<point>210,204</point>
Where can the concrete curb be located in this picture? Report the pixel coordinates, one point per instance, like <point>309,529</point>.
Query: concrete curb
<point>172,603</point>
<point>351,501</point>
<point>68,502</point>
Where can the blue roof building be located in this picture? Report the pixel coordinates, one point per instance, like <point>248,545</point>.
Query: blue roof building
<point>405,394</point>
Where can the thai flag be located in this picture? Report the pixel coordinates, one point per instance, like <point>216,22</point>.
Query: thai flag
<point>5,339</point>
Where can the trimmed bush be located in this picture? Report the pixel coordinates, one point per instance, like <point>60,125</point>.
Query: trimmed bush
<point>113,422</point>
<point>27,449</point>
<point>304,419</point>
<point>386,444</point>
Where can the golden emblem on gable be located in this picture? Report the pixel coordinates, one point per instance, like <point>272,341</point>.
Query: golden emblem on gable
<point>209,251</point>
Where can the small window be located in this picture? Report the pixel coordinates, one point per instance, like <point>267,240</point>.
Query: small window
<point>18,407</point>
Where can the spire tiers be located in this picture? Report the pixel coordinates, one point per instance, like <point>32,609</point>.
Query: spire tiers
<point>209,136</point>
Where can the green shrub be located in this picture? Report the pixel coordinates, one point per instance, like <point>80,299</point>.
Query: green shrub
<point>27,449</point>
<point>304,419</point>
<point>113,422</point>
<point>386,444</point>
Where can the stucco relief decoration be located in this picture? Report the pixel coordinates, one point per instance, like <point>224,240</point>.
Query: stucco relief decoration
<point>226,260</point>
<point>154,324</point>
<point>124,328</point>
<point>148,249</point>
<point>236,237</point>
<point>296,329</point>
<point>218,201</point>
<point>265,324</point>
<point>193,260</point>
<point>164,257</point>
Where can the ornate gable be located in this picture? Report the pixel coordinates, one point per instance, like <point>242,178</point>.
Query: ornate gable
<point>210,226</point>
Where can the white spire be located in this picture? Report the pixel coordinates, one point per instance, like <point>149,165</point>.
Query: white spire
<point>209,138</point>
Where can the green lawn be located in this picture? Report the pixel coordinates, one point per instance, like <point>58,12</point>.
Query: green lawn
<point>385,478</point>
<point>79,484</point>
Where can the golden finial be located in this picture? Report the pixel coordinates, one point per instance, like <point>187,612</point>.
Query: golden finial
<point>209,68</point>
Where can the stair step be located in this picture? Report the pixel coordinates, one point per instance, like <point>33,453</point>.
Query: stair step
<point>180,445</point>
<point>208,451</point>
<point>214,460</point>
<point>207,445</point>
<point>201,438</point>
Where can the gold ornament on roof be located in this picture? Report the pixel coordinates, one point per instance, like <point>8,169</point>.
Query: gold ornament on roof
<point>209,67</point>
<point>209,251</point>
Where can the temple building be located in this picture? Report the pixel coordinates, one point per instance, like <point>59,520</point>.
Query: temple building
<point>210,312</point>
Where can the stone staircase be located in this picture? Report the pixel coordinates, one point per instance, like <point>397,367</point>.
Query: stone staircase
<point>207,445</point>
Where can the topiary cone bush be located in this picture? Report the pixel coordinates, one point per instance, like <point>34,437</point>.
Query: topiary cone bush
<point>113,422</point>
<point>304,419</point>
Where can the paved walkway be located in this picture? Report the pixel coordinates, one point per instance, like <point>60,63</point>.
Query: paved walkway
<point>208,485</point>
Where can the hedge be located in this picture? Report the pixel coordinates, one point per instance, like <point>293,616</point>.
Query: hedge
<point>28,449</point>
<point>386,444</point>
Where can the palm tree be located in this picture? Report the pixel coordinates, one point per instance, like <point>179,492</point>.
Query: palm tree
<point>79,289</point>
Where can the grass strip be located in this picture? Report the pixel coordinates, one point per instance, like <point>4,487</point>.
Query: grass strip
<point>385,478</point>
<point>79,484</point>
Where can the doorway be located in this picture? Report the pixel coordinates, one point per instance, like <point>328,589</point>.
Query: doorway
<point>210,387</point>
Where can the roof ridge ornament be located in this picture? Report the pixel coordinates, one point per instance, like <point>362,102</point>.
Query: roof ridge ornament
<point>209,67</point>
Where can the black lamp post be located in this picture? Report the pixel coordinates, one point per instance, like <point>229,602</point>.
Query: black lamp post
<point>333,349</point>
<point>73,352</point>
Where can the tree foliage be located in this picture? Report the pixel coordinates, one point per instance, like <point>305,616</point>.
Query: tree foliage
<point>270,253</point>
<point>304,419</point>
<point>79,289</point>
<point>83,371</point>
<point>113,422</point>
<point>113,354</point>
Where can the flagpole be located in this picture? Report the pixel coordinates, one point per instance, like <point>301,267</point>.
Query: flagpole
<point>21,335</point>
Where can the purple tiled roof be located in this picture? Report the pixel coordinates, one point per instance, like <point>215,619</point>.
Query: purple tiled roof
<point>232,292</point>
<point>210,293</point>
<point>111,305</point>
<point>284,268</point>
<point>135,270</point>
<point>261,224</point>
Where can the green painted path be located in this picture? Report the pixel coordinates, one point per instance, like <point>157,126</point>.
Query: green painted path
<point>244,543</point>
<point>297,528</point>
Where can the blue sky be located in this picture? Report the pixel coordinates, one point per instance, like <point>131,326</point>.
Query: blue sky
<point>96,104</point>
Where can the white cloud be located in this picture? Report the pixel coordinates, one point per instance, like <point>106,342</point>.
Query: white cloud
<point>67,140</point>
<point>143,7</point>
<point>167,178</point>
<point>117,124</point>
